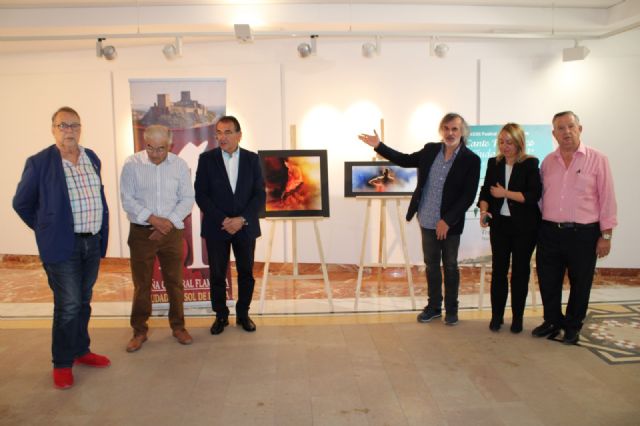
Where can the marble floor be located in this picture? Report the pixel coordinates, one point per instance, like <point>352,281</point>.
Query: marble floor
<point>374,366</point>
<point>364,369</point>
<point>25,293</point>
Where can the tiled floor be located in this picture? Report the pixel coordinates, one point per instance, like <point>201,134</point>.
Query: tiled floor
<point>344,368</point>
<point>383,369</point>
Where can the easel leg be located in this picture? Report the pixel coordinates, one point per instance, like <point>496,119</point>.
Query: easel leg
<point>267,261</point>
<point>405,252</point>
<point>365,231</point>
<point>325,273</point>
<point>382,242</point>
<point>483,272</point>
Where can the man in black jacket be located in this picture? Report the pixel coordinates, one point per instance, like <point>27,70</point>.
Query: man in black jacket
<point>448,176</point>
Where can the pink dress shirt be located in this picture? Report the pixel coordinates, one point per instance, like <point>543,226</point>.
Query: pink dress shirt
<point>581,193</point>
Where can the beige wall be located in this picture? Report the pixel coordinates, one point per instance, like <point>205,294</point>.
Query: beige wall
<point>330,98</point>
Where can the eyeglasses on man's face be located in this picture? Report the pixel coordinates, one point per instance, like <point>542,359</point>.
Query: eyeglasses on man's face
<point>158,150</point>
<point>74,127</point>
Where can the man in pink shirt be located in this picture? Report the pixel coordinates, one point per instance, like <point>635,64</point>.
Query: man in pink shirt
<point>578,216</point>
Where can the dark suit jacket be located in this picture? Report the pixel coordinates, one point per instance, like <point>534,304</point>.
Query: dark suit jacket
<point>525,178</point>
<point>217,201</point>
<point>459,188</point>
<point>42,202</point>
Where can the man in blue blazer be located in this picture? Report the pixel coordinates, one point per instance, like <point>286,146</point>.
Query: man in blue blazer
<point>448,176</point>
<point>61,197</point>
<point>230,193</point>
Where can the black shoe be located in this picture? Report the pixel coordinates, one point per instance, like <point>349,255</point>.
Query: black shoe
<point>546,329</point>
<point>571,336</point>
<point>494,324</point>
<point>218,325</point>
<point>450,318</point>
<point>428,314</point>
<point>516,325</point>
<point>246,323</point>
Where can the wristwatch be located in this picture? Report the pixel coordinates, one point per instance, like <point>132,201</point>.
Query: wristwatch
<point>244,221</point>
<point>606,237</point>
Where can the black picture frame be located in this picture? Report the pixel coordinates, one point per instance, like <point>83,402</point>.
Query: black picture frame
<point>396,181</point>
<point>296,182</point>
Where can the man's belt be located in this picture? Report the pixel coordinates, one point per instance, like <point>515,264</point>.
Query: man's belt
<point>142,226</point>
<point>84,234</point>
<point>571,225</point>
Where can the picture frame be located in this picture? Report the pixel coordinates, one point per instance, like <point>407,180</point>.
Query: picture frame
<point>296,183</point>
<point>378,179</point>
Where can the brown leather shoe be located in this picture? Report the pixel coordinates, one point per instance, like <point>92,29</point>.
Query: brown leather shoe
<point>136,342</point>
<point>183,336</point>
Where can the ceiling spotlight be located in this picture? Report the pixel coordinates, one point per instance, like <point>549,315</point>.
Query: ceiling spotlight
<point>369,49</point>
<point>576,53</point>
<point>173,51</point>
<point>243,33</point>
<point>306,49</point>
<point>438,49</point>
<point>107,52</point>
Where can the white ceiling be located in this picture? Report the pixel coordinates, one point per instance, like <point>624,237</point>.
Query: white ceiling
<point>98,3</point>
<point>64,25</point>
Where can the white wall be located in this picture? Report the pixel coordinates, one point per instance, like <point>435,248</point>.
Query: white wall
<point>330,98</point>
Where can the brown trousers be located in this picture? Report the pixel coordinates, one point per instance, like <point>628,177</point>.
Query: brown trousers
<point>169,251</point>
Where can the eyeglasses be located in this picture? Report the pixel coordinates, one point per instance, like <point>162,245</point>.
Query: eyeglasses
<point>225,133</point>
<point>68,126</point>
<point>158,150</point>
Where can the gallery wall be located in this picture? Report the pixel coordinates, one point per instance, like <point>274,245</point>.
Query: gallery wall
<point>330,98</point>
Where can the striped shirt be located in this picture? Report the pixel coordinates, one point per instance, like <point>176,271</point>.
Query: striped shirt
<point>83,183</point>
<point>431,200</point>
<point>164,190</point>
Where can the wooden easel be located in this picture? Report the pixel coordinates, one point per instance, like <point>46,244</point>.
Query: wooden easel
<point>294,249</point>
<point>382,249</point>
<point>382,242</point>
<point>294,245</point>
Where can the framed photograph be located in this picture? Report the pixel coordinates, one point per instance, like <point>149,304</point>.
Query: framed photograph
<point>378,179</point>
<point>296,182</point>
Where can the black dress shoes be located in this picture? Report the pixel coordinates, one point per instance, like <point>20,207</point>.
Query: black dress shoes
<point>546,329</point>
<point>494,324</point>
<point>246,323</point>
<point>218,325</point>
<point>571,336</point>
<point>516,325</point>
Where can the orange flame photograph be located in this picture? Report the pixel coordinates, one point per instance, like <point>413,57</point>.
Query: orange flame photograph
<point>295,182</point>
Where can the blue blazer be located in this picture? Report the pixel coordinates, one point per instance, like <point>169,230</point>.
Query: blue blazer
<point>217,201</point>
<point>460,186</point>
<point>42,202</point>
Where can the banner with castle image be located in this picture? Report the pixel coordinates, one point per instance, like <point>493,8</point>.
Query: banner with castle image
<point>191,109</point>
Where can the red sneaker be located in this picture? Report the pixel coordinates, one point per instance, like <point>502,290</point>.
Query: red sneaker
<point>62,378</point>
<point>93,360</point>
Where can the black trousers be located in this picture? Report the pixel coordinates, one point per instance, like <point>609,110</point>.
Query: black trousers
<point>510,246</point>
<point>218,252</point>
<point>561,250</point>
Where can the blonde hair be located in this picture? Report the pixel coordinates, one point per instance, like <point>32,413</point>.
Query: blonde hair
<point>516,132</point>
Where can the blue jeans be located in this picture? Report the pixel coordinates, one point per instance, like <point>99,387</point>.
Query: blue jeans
<point>72,284</point>
<point>434,251</point>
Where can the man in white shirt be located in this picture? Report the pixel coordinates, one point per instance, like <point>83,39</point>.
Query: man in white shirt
<point>156,192</point>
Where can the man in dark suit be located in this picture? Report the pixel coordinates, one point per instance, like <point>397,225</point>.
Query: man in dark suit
<point>230,192</point>
<point>448,176</point>
<point>61,197</point>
